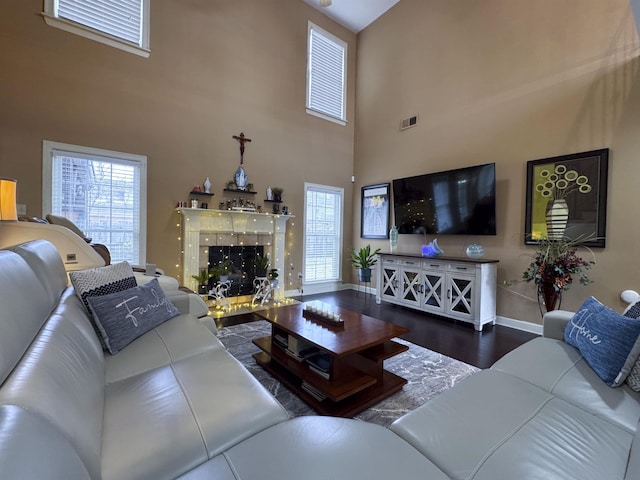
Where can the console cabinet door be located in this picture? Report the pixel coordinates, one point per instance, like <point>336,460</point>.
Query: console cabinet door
<point>411,285</point>
<point>390,280</point>
<point>460,292</point>
<point>433,287</point>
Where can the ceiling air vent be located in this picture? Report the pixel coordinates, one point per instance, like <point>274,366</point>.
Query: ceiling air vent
<point>408,122</point>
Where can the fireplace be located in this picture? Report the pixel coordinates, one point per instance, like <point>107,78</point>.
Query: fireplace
<point>241,266</point>
<point>204,231</point>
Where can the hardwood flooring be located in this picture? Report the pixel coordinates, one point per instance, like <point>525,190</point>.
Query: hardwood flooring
<point>455,339</point>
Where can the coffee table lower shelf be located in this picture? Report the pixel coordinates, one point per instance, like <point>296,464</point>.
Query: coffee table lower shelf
<point>349,407</point>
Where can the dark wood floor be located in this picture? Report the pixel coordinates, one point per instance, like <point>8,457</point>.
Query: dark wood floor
<point>455,339</point>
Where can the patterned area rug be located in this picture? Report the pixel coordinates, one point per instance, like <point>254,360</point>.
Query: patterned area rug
<point>428,374</point>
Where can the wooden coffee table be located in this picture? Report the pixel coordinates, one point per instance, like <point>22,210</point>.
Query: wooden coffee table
<point>346,376</point>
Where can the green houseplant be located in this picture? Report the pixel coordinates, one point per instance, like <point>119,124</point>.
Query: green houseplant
<point>277,193</point>
<point>262,265</point>
<point>363,259</point>
<point>203,280</point>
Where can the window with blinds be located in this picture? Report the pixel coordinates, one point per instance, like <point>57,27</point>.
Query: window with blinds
<point>103,193</point>
<point>120,23</point>
<point>323,213</point>
<point>326,74</point>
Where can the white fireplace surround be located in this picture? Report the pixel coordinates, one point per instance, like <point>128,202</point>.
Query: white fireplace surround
<point>203,228</point>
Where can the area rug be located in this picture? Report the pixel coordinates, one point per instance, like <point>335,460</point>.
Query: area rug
<point>428,374</point>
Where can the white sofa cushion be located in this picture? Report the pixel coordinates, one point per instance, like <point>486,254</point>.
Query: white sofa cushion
<point>559,369</point>
<point>320,448</point>
<point>162,423</point>
<point>494,425</point>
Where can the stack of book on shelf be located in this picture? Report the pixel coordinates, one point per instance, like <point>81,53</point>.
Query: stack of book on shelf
<point>320,364</point>
<point>281,339</point>
<point>300,349</point>
<point>313,392</point>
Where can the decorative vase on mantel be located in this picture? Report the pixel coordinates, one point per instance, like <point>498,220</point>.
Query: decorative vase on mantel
<point>549,297</point>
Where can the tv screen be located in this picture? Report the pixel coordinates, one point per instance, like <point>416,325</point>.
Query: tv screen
<point>454,202</point>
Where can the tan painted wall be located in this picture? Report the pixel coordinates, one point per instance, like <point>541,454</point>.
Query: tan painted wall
<point>506,81</point>
<point>217,68</point>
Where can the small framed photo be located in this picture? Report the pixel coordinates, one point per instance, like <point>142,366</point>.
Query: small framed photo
<point>374,220</point>
<point>567,198</point>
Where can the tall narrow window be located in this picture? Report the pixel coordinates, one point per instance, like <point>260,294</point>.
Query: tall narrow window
<point>122,24</point>
<point>326,75</point>
<point>102,192</point>
<point>322,232</point>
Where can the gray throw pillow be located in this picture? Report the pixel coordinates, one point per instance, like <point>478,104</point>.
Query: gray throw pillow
<point>101,281</point>
<point>124,316</point>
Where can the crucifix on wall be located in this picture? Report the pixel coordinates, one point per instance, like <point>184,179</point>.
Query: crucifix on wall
<point>241,178</point>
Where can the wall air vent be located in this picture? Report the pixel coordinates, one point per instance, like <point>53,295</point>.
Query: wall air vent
<point>409,122</point>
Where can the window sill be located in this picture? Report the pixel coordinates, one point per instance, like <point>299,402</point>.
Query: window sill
<point>315,113</point>
<point>95,35</point>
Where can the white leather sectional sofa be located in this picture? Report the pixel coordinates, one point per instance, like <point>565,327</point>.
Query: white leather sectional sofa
<point>175,404</point>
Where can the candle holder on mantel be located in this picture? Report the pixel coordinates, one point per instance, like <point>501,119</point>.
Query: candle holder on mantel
<point>322,312</point>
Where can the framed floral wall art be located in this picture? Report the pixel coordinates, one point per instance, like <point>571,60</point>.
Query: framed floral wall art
<point>567,198</point>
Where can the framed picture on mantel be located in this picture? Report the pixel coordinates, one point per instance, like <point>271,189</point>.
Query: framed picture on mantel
<point>567,198</point>
<point>374,220</point>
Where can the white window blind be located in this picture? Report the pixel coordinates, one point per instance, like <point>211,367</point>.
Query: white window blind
<point>102,195</point>
<point>120,18</point>
<point>326,73</point>
<point>323,233</point>
<point>122,24</point>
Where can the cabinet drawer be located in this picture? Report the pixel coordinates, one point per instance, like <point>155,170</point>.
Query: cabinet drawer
<point>410,263</point>
<point>391,261</point>
<point>431,265</point>
<point>461,268</point>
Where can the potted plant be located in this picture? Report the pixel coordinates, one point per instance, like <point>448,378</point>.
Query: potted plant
<point>363,260</point>
<point>249,187</point>
<point>277,194</point>
<point>203,281</point>
<point>225,268</point>
<point>262,265</point>
<point>230,185</point>
<point>273,276</point>
<point>552,268</point>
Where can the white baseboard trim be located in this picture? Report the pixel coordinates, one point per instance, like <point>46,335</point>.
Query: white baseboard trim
<point>362,288</point>
<point>519,325</point>
<point>312,289</point>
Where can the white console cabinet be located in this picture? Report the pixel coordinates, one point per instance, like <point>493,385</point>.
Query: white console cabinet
<point>455,287</point>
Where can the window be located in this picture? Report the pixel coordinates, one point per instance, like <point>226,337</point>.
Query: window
<point>326,75</point>
<point>322,232</point>
<point>101,191</point>
<point>122,24</point>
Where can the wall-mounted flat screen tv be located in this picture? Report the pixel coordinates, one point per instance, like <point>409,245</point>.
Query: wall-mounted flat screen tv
<point>454,202</point>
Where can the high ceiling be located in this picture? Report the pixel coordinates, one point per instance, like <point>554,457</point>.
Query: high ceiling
<point>354,14</point>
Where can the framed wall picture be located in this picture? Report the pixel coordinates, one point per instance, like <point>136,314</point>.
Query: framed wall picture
<point>374,221</point>
<point>567,198</point>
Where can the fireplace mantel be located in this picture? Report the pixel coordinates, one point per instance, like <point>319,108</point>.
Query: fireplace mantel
<point>197,221</point>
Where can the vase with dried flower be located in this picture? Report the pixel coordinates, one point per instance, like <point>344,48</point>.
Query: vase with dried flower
<point>552,269</point>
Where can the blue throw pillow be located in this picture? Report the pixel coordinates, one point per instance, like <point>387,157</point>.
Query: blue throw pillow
<point>123,316</point>
<point>608,341</point>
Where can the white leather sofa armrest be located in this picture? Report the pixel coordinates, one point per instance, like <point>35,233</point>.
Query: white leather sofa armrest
<point>167,283</point>
<point>555,322</point>
<point>188,303</point>
<point>184,302</point>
